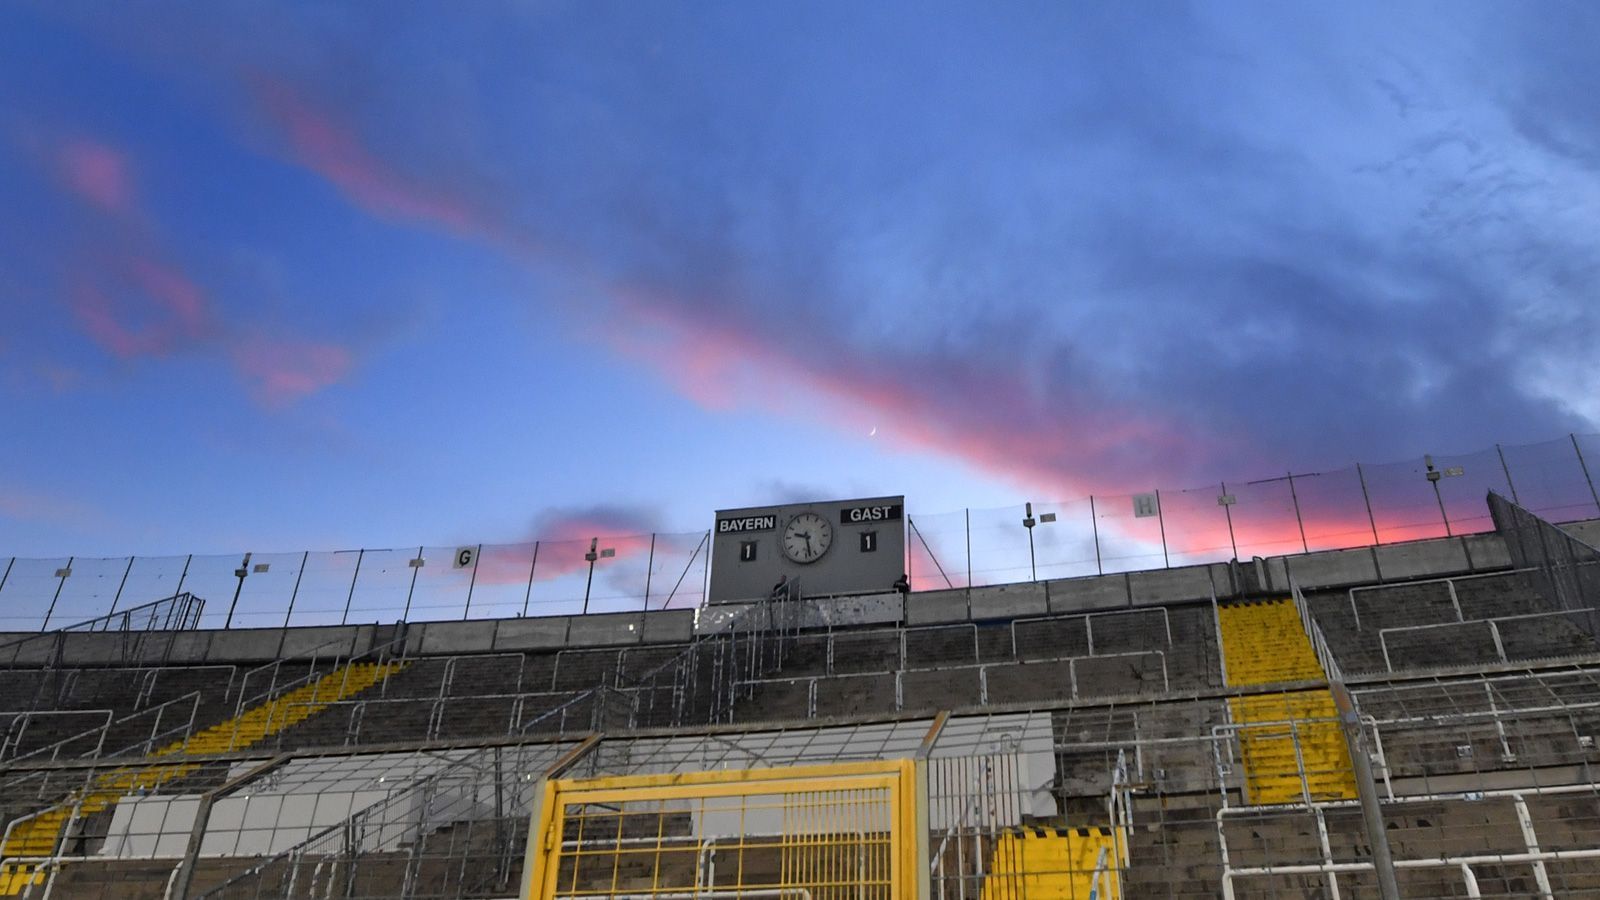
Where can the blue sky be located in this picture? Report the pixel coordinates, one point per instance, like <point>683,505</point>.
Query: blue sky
<point>277,276</point>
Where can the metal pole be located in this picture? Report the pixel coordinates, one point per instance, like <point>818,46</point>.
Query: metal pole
<point>350,597</point>
<point>1585,466</point>
<point>929,550</point>
<point>1161,521</point>
<point>114,600</point>
<point>473,582</point>
<point>1227,510</point>
<point>967,512</point>
<point>1302,522</point>
<point>1367,498</point>
<point>62,574</point>
<point>1367,792</point>
<point>1507,469</point>
<point>304,557</point>
<point>416,566</point>
<point>593,555</point>
<point>7,575</point>
<point>240,573</point>
<point>681,575</point>
<point>1094,524</point>
<point>184,576</point>
<point>1027,522</point>
<point>647,567</point>
<point>528,594</point>
<point>705,571</point>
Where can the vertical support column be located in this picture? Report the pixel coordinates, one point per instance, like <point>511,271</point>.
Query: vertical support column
<point>1367,790</point>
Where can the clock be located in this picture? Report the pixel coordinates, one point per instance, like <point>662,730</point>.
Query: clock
<point>806,538</point>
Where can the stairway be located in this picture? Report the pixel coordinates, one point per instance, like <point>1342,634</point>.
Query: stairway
<point>1053,864</point>
<point>38,835</point>
<point>1263,643</point>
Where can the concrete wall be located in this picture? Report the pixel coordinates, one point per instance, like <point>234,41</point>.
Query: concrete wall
<point>1324,569</point>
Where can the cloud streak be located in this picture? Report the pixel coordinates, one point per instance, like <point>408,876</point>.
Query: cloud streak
<point>132,300</point>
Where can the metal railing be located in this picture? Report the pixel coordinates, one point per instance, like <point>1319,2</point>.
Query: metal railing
<point>1272,516</point>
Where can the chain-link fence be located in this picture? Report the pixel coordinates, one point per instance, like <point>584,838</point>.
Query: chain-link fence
<point>1281,514</point>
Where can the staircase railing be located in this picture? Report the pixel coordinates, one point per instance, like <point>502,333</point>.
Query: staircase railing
<point>180,612</point>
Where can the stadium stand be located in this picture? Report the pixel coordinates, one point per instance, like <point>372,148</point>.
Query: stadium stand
<point>1271,729</point>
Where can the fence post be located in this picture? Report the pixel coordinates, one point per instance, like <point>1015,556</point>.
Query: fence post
<point>350,597</point>
<point>1507,469</point>
<point>1367,499</point>
<point>120,586</point>
<point>967,518</point>
<point>287,613</point>
<point>1227,510</point>
<point>1161,522</point>
<point>416,564</point>
<point>1367,792</point>
<point>1094,523</point>
<point>61,574</point>
<point>527,595</point>
<point>1295,498</point>
<point>473,583</point>
<point>649,564</point>
<point>1585,466</point>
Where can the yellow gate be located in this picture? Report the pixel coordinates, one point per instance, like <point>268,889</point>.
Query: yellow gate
<point>843,831</point>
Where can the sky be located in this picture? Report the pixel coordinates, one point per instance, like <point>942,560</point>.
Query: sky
<point>308,275</point>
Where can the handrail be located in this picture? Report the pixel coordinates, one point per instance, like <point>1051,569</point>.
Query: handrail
<point>1491,621</point>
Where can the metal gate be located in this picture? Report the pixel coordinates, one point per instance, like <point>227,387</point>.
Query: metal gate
<point>843,831</point>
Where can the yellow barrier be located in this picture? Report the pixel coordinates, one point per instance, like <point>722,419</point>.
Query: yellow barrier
<point>843,831</point>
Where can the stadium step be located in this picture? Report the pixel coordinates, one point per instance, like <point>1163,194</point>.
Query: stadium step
<point>39,834</point>
<point>1265,643</point>
<point>1053,864</point>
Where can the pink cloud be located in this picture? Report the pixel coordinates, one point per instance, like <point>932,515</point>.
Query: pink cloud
<point>325,146</point>
<point>283,370</point>
<point>99,174</point>
<point>155,310</point>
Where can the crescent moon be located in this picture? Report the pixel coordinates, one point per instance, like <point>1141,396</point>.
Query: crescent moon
<point>873,432</point>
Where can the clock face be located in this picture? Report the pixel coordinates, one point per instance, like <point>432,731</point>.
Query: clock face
<point>807,537</point>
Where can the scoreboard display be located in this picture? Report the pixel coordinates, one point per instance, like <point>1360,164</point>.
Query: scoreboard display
<point>832,547</point>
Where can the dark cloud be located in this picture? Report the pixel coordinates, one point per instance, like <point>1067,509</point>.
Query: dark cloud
<point>1081,247</point>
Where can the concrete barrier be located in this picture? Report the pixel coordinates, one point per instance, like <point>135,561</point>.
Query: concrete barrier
<point>1333,568</point>
<point>669,626</point>
<point>322,641</point>
<point>1070,595</point>
<point>842,612</point>
<point>1415,559</point>
<point>1487,551</point>
<point>1008,601</point>
<point>606,630</point>
<point>542,633</point>
<point>449,638</point>
<point>1163,586</point>
<point>936,607</point>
